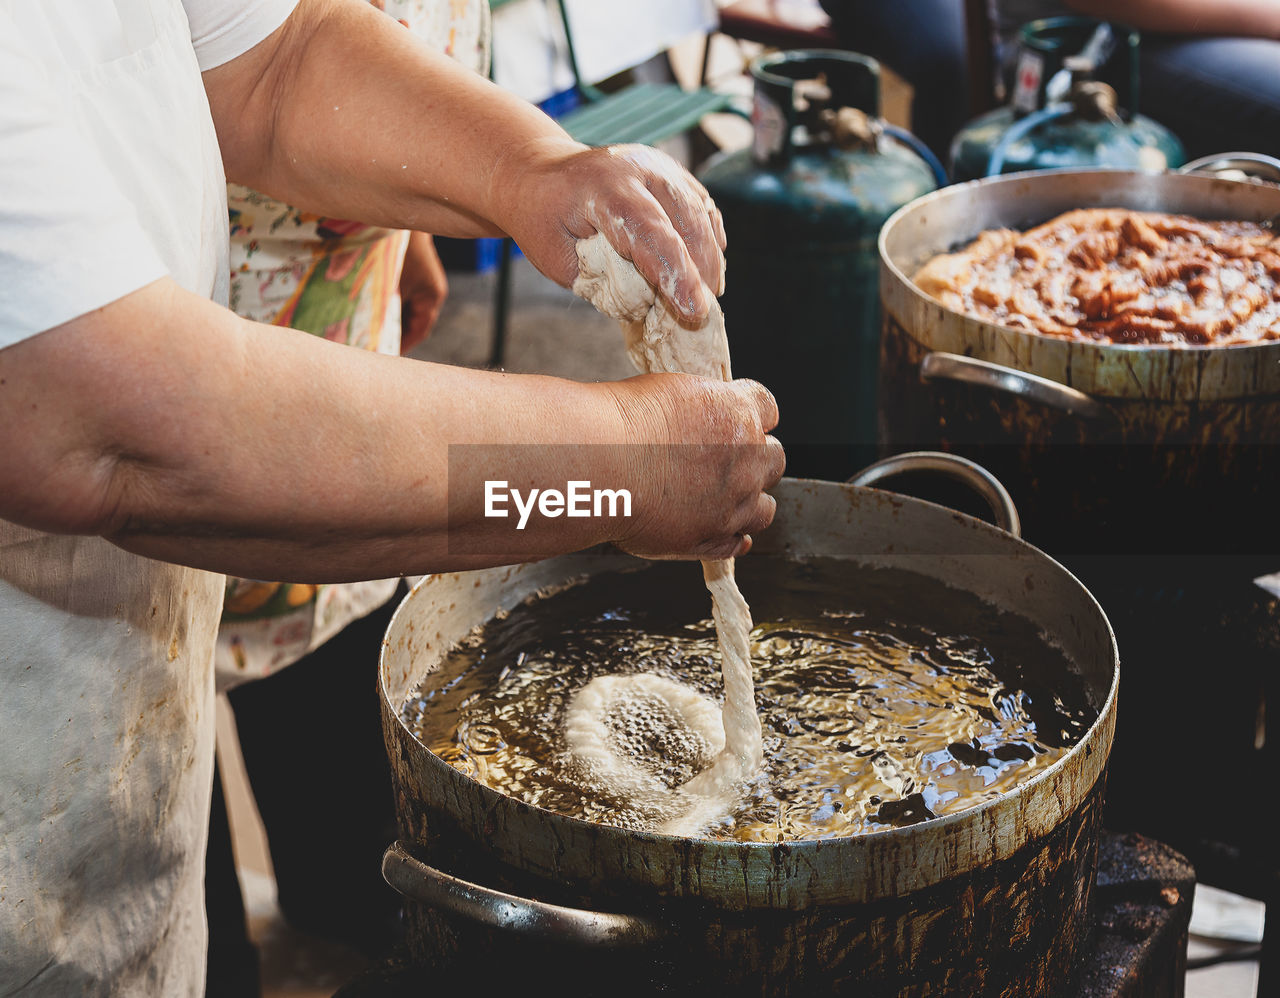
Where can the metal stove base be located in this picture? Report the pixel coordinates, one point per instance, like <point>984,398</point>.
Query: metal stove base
<point>1142,907</point>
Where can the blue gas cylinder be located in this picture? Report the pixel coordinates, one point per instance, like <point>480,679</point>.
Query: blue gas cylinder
<point>803,207</point>
<point>1074,104</point>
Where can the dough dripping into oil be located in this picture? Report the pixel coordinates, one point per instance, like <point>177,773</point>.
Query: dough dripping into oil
<point>657,343</point>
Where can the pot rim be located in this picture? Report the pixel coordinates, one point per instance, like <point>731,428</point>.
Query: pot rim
<point>1074,756</point>
<point>1042,177</point>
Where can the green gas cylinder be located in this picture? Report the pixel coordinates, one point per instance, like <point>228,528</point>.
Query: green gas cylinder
<point>803,207</point>
<point>1074,104</point>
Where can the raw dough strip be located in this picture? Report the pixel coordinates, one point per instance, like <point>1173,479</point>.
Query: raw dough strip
<point>743,750</point>
<point>656,343</point>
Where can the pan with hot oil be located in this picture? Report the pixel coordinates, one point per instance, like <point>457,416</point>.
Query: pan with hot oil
<point>886,698</point>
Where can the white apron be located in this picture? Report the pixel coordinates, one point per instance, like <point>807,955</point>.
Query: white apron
<point>106,689</point>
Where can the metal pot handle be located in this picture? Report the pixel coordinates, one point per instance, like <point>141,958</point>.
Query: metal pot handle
<point>986,374</point>
<point>962,469</point>
<point>1254,165</point>
<point>507,912</point>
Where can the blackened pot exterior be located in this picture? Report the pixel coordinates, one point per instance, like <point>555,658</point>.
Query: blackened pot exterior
<point>993,900</point>
<point>1181,454</point>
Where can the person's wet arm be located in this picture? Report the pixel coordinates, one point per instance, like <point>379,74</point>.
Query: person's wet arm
<point>343,112</point>
<point>180,431</point>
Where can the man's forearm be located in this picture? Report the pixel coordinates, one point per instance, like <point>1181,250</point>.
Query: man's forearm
<point>345,112</point>
<point>182,432</point>
<point>185,433</point>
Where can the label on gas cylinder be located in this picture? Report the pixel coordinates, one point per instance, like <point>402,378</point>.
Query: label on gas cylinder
<point>1026,81</point>
<point>770,128</point>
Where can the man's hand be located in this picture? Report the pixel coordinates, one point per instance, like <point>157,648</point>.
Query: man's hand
<point>423,289</point>
<point>701,492</point>
<point>552,192</point>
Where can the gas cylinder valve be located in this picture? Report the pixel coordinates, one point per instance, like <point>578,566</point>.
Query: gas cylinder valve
<point>846,128</point>
<point>850,128</point>
<point>1094,100</point>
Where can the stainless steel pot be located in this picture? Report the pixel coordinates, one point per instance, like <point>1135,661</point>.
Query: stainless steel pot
<point>993,900</point>
<point>1109,447</point>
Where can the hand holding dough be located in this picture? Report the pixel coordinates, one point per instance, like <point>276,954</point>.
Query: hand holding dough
<point>553,193</point>
<point>656,343</point>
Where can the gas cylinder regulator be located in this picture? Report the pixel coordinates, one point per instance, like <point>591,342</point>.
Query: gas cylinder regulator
<point>1065,110</point>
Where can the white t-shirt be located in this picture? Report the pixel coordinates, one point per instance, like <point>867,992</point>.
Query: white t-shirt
<point>109,179</point>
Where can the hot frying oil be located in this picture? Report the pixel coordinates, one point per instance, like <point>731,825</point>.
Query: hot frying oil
<point>886,698</point>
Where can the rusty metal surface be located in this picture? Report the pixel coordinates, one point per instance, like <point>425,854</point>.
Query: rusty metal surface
<point>1189,430</point>
<point>1013,874</point>
<point>1143,910</point>
<point>953,216</point>
<point>1154,478</point>
<point>813,517</point>
<point>1139,917</point>
<point>1181,430</point>
<point>1014,927</point>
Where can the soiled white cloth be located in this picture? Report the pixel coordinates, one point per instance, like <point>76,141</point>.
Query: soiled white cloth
<point>656,342</point>
<point>112,179</point>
